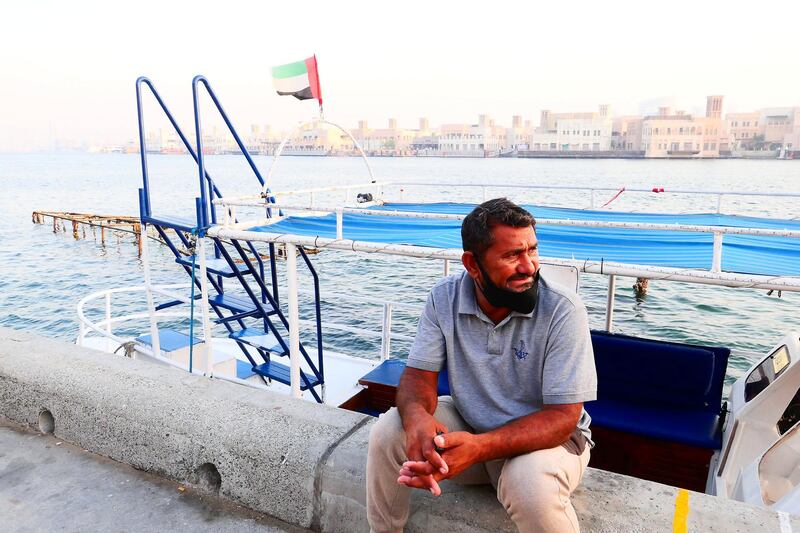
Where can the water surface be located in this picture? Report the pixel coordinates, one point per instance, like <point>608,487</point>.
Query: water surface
<point>43,275</point>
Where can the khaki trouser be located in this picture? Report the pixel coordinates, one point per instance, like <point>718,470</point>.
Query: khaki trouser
<point>534,488</point>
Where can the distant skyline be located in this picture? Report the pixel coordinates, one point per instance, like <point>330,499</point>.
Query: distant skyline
<point>68,69</point>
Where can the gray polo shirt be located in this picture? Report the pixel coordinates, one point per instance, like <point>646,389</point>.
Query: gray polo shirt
<point>505,371</point>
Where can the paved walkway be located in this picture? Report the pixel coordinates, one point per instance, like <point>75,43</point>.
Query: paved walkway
<point>50,485</point>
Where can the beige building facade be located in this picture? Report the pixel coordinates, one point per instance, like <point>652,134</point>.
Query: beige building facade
<point>676,134</point>
<point>573,132</point>
<point>626,134</point>
<point>472,140</point>
<point>744,128</point>
<point>389,140</point>
<point>665,134</point>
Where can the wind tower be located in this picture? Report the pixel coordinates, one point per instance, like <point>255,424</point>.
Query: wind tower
<point>714,106</point>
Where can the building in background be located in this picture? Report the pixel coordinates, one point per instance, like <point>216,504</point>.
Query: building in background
<point>677,134</point>
<point>626,135</point>
<point>573,132</point>
<point>745,130</point>
<point>472,140</point>
<point>661,133</point>
<point>780,128</point>
<point>391,140</point>
<point>518,136</point>
<point>768,132</point>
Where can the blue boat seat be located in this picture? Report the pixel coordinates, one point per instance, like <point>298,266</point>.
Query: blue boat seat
<point>388,374</point>
<point>695,428</point>
<point>661,390</point>
<point>657,389</point>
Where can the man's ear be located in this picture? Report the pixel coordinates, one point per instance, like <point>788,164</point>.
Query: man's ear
<point>469,262</point>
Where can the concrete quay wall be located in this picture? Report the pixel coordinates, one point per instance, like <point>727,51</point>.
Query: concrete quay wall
<point>296,461</point>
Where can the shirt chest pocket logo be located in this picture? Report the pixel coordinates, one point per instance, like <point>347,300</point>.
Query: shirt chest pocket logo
<point>520,351</point>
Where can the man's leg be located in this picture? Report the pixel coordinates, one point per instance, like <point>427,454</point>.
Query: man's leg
<point>535,488</point>
<point>387,501</point>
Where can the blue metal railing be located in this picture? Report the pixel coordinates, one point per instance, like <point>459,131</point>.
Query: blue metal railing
<point>199,79</point>
<point>147,211</point>
<point>196,82</point>
<point>206,215</point>
<point>200,160</point>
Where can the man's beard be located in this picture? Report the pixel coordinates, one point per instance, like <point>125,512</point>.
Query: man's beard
<point>522,302</point>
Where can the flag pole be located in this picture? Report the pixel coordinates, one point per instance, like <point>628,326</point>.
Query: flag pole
<point>318,89</point>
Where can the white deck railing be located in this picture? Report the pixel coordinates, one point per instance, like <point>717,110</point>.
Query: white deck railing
<point>104,328</point>
<point>379,189</point>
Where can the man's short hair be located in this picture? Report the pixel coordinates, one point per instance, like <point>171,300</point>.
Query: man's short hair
<point>476,230</point>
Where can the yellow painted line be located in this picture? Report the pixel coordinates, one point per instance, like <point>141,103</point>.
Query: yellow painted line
<point>681,512</point>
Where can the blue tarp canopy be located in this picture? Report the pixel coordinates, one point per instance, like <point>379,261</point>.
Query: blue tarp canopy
<point>741,253</point>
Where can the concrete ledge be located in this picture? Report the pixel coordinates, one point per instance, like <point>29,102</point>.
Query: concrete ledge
<point>299,462</point>
<point>605,502</point>
<point>266,447</point>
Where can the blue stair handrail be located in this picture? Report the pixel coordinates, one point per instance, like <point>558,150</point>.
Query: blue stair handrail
<point>205,179</point>
<point>206,216</point>
<point>200,160</point>
<point>197,81</point>
<point>146,208</point>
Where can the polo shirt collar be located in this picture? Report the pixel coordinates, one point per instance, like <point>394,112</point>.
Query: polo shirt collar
<point>467,304</point>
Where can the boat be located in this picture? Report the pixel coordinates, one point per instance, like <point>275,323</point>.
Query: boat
<point>304,150</point>
<point>660,413</point>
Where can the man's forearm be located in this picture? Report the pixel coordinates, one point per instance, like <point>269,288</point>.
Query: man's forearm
<point>544,429</point>
<point>415,394</point>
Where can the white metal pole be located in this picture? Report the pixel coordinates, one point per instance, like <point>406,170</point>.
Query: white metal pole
<point>207,336</point>
<point>386,333</point>
<point>148,289</point>
<point>591,199</point>
<point>294,319</point>
<point>446,267</point>
<point>339,223</point>
<point>612,286</point>
<point>716,261</point>
<point>719,203</point>
<point>108,321</point>
<point>81,333</point>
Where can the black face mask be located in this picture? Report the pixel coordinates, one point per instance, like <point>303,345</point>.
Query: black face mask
<point>522,302</point>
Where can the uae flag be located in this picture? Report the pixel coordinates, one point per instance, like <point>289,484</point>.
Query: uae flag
<point>299,79</point>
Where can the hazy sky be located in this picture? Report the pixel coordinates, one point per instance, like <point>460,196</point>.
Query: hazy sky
<point>68,68</point>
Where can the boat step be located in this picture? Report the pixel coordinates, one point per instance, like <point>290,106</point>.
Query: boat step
<point>281,373</point>
<point>244,370</point>
<point>219,267</point>
<point>178,223</point>
<point>169,340</point>
<point>258,338</point>
<point>239,304</point>
<point>173,303</point>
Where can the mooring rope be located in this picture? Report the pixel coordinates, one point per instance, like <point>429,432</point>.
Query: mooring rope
<point>622,190</point>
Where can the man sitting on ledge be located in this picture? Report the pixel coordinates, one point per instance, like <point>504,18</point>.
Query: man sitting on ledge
<point>520,363</point>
